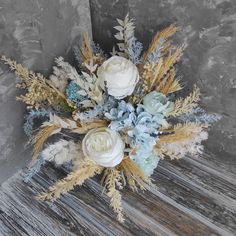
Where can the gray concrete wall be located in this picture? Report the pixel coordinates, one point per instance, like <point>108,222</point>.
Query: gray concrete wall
<point>209,30</point>
<point>32,33</point>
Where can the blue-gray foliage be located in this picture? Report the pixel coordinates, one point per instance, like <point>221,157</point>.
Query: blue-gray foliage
<point>97,49</point>
<point>29,123</point>
<point>135,51</point>
<point>98,111</point>
<point>72,93</point>
<point>34,169</point>
<point>155,56</point>
<point>199,115</point>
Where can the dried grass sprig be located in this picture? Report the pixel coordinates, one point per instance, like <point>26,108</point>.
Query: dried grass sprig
<point>167,65</point>
<point>184,138</point>
<point>87,54</point>
<point>85,127</point>
<point>41,137</point>
<point>164,34</point>
<point>134,175</point>
<point>112,180</point>
<point>186,105</point>
<point>39,89</point>
<point>77,177</point>
<point>86,50</point>
<point>154,75</point>
<point>182,132</point>
<point>169,84</point>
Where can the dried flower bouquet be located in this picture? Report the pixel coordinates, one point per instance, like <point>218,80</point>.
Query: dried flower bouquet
<point>122,108</point>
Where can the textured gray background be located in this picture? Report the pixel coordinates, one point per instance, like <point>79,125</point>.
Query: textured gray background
<point>33,33</point>
<point>209,30</point>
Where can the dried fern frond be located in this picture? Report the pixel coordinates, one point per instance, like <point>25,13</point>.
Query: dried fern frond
<point>77,177</point>
<point>41,137</point>
<point>164,34</point>
<point>186,105</point>
<point>39,89</point>
<point>169,84</point>
<point>135,176</point>
<point>112,179</point>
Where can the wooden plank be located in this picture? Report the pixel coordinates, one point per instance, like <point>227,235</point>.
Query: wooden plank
<point>180,205</point>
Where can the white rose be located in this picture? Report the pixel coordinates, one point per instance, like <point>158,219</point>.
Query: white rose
<point>120,75</point>
<point>104,146</point>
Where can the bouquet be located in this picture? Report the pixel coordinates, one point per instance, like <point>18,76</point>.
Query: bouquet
<point>114,115</point>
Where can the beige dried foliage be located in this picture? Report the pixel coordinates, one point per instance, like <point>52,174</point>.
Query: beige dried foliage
<point>167,65</point>
<point>186,105</point>
<point>38,89</point>
<point>154,75</point>
<point>77,177</point>
<point>182,138</point>
<point>169,84</point>
<point>112,180</point>
<point>85,127</point>
<point>41,137</point>
<point>164,152</point>
<point>86,52</point>
<point>134,175</point>
<point>182,132</point>
<point>164,34</point>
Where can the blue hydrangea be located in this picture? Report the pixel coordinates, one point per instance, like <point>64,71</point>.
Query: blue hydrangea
<point>141,128</point>
<point>72,93</point>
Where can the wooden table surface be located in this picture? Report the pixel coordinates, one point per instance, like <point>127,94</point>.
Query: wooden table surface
<point>193,197</point>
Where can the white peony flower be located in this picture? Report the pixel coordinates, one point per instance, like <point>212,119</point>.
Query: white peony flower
<point>120,75</point>
<point>104,146</point>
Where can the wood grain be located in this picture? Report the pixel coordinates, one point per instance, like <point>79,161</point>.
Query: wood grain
<point>190,199</point>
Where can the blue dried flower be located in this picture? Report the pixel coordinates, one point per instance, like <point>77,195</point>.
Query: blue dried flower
<point>72,93</point>
<point>141,127</point>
